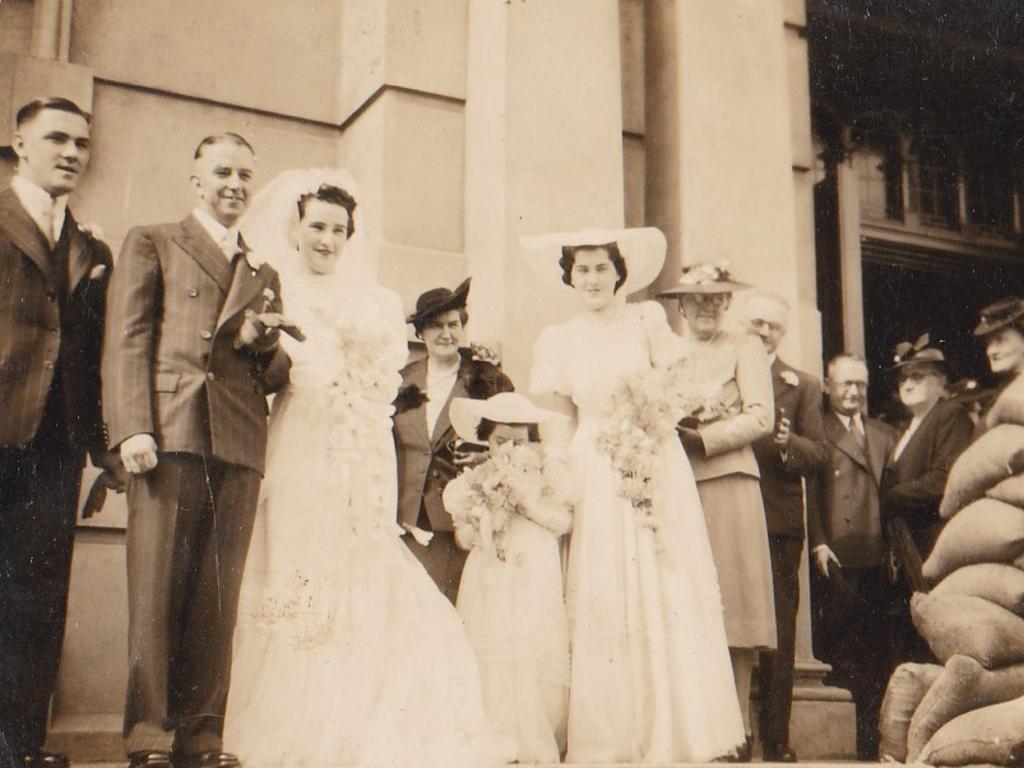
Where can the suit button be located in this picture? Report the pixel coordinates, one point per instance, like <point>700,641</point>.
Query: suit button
<point>206,335</point>
<point>48,364</point>
<point>51,296</point>
<point>211,376</point>
<point>193,292</point>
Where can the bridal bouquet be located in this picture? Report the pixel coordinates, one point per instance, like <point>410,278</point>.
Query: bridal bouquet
<point>363,380</point>
<point>360,368</point>
<point>515,480</point>
<point>641,412</point>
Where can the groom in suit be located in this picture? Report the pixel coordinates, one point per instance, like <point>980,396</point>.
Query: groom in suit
<point>794,452</point>
<point>189,361</point>
<point>53,280</point>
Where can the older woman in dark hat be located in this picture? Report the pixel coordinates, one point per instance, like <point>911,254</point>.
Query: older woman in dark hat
<point>719,448</point>
<point>1002,330</point>
<point>915,478</point>
<point>424,437</point>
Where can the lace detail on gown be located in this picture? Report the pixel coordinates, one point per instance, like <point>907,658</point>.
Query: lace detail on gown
<point>345,652</point>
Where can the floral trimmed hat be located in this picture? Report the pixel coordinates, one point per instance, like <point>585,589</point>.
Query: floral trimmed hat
<point>642,248</point>
<point>705,277</point>
<point>919,354</point>
<point>503,408</point>
<point>997,316</point>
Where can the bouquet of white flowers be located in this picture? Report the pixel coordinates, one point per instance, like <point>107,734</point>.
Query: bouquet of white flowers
<point>642,411</point>
<point>515,480</point>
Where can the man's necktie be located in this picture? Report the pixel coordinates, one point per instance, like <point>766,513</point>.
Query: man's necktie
<point>858,431</point>
<point>46,214</point>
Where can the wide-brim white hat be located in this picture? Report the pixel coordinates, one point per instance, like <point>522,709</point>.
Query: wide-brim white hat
<point>503,408</point>
<point>642,248</point>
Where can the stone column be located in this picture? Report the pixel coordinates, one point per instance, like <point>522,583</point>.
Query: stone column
<point>729,160</point>
<point>543,152</point>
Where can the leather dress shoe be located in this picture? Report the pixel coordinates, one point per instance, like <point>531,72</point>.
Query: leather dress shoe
<point>778,753</point>
<point>150,758</point>
<point>41,759</point>
<point>208,760</point>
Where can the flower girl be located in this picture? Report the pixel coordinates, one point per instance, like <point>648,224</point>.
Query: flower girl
<point>510,511</point>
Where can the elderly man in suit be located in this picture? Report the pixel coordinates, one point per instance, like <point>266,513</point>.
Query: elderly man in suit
<point>53,280</point>
<point>796,450</point>
<point>190,359</point>
<point>848,542</point>
<point>424,436</point>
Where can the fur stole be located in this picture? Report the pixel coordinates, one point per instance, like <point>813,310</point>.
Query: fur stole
<point>480,379</point>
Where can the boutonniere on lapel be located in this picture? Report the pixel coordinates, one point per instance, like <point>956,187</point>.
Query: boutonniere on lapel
<point>790,378</point>
<point>92,231</point>
<point>254,261</point>
<point>409,399</point>
<point>273,319</point>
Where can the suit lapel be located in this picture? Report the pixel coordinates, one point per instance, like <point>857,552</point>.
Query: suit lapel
<point>416,376</point>
<point>919,433</point>
<point>842,438</point>
<point>195,241</point>
<point>779,385</point>
<point>245,287</point>
<point>444,423</point>
<point>25,233</point>
<point>79,256</point>
<point>877,450</point>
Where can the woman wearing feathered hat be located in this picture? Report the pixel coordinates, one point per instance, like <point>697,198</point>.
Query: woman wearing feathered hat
<point>719,448</point>
<point>650,671</point>
<point>915,476</point>
<point>423,431</point>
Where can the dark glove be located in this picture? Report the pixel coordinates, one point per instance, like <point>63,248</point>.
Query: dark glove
<point>692,442</point>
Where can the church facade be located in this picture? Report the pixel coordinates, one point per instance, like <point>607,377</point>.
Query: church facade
<point>730,125</point>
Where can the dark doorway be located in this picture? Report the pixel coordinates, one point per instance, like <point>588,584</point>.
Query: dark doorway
<point>910,293</point>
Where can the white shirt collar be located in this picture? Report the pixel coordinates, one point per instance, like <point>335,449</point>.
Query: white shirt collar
<point>47,212</point>
<point>772,358</point>
<point>221,235</point>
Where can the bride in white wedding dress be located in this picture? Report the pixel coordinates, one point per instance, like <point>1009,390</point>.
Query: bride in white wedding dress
<point>345,652</point>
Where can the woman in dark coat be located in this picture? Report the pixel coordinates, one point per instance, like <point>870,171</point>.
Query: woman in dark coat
<point>915,478</point>
<point>424,437</point>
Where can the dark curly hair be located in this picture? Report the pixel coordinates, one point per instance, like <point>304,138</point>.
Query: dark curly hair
<point>486,428</point>
<point>328,193</point>
<point>568,260</point>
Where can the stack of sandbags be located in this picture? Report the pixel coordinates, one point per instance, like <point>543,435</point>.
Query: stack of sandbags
<point>971,710</point>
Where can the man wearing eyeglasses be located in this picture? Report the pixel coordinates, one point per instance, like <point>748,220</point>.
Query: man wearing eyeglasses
<point>845,533</point>
<point>794,451</point>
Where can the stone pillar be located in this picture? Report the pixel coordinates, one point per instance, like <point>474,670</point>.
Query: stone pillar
<point>543,152</point>
<point>729,160</point>
<point>849,256</point>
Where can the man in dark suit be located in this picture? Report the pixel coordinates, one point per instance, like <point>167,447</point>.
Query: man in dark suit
<point>189,361</point>
<point>424,436</point>
<point>53,280</point>
<point>847,539</point>
<point>795,451</point>
<point>915,479</point>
